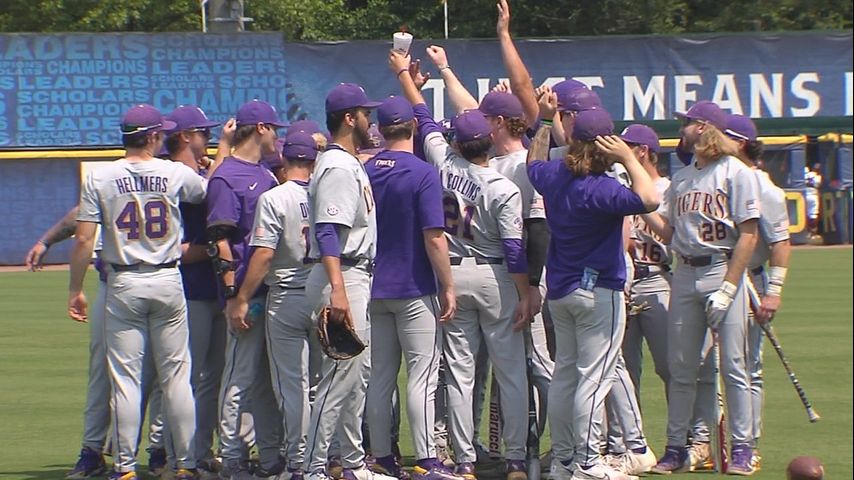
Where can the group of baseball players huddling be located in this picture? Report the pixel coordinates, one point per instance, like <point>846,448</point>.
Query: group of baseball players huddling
<point>214,274</point>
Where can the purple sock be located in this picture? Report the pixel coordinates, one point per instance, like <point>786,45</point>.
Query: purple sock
<point>639,451</point>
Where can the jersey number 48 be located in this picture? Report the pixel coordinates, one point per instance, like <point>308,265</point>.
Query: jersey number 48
<point>155,220</point>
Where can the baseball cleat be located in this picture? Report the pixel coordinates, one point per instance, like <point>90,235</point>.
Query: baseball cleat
<point>632,463</point>
<point>700,457</point>
<point>742,461</point>
<point>516,470</point>
<point>185,474</point>
<point>317,475</point>
<point>444,457</point>
<point>334,468</point>
<point>600,472</point>
<point>675,459</point>
<point>364,474</point>
<point>466,470</point>
<point>89,464</point>
<point>156,461</point>
<point>757,461</point>
<point>235,470</point>
<point>272,472</point>
<point>561,471</point>
<point>387,465</point>
<point>546,462</point>
<point>434,471</point>
<point>122,476</point>
<point>209,468</point>
<point>483,454</point>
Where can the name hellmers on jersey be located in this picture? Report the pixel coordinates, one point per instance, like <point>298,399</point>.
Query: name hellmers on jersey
<point>712,205</point>
<point>133,184</point>
<point>462,185</point>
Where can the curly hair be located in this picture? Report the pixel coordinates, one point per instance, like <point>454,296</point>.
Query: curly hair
<point>585,158</point>
<point>516,127</point>
<point>713,145</point>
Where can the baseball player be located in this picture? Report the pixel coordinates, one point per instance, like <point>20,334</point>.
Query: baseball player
<point>773,247</point>
<point>135,199</point>
<point>233,194</point>
<point>343,246</point>
<point>411,252</point>
<point>187,144</point>
<point>585,275</point>
<point>279,238</point>
<point>483,222</point>
<point>710,220</point>
<point>96,413</point>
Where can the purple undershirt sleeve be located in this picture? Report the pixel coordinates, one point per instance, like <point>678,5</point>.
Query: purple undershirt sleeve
<point>514,255</point>
<point>326,235</point>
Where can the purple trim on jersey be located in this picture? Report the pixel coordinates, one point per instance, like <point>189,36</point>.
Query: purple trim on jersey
<point>514,255</point>
<point>408,195</point>
<point>199,278</point>
<point>426,124</point>
<point>232,198</point>
<point>585,215</point>
<point>326,235</point>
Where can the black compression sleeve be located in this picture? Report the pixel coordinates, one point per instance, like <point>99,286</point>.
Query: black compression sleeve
<point>537,244</point>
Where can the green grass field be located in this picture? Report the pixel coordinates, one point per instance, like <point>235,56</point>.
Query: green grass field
<point>43,357</point>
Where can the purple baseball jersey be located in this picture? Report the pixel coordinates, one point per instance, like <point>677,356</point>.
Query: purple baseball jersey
<point>232,196</point>
<point>585,215</point>
<point>199,278</point>
<point>408,195</point>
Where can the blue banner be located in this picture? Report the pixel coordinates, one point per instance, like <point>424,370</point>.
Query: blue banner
<point>70,90</point>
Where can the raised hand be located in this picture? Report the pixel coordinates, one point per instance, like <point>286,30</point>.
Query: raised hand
<point>503,87</point>
<point>502,26</point>
<point>616,147</point>
<point>398,62</point>
<point>418,77</point>
<point>547,101</point>
<point>437,56</point>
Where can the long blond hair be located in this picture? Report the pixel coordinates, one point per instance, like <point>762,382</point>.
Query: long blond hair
<point>584,158</point>
<point>713,144</point>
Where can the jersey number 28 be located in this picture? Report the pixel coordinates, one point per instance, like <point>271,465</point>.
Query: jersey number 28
<point>155,220</point>
<point>710,232</point>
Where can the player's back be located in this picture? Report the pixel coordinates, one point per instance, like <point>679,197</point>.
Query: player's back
<point>409,200</point>
<point>514,167</point>
<point>137,204</point>
<point>482,207</point>
<point>283,213</point>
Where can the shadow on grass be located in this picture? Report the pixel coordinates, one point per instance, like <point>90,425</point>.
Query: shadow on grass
<point>48,472</point>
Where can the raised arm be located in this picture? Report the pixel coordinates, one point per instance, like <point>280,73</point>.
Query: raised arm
<point>547,108</point>
<point>461,99</point>
<point>520,80</point>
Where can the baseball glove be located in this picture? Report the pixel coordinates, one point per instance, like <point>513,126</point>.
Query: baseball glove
<point>338,340</point>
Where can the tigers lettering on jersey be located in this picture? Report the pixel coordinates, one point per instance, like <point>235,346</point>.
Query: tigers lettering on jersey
<point>711,205</point>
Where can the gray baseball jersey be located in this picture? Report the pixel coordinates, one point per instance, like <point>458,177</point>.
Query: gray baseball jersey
<point>340,193</point>
<point>647,247</point>
<point>482,207</point>
<point>514,167</point>
<point>705,206</point>
<point>135,203</point>
<point>281,223</point>
<point>773,219</point>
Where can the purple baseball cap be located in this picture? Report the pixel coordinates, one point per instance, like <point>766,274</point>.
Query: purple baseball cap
<point>501,103</point>
<point>144,118</point>
<point>272,161</point>
<point>189,117</point>
<point>471,125</point>
<point>299,146</point>
<point>590,124</point>
<point>641,135</point>
<point>394,111</point>
<point>258,111</point>
<point>567,85</point>
<point>578,100</point>
<point>706,111</point>
<point>346,96</point>
<point>308,126</point>
<point>741,127</point>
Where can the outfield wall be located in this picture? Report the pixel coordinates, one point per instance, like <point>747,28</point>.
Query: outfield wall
<point>61,96</point>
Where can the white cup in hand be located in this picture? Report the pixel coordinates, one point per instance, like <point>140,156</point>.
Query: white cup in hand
<point>402,42</point>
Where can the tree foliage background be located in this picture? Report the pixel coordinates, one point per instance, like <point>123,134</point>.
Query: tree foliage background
<point>367,19</point>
